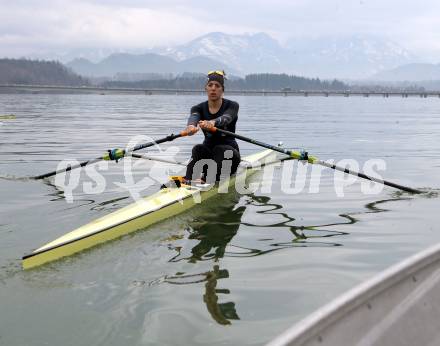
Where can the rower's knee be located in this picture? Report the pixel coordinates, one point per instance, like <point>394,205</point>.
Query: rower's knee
<point>197,149</point>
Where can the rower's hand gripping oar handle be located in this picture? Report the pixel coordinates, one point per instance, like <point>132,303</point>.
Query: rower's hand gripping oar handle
<point>188,132</point>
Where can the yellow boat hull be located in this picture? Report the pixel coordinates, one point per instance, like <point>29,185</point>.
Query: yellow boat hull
<point>163,204</point>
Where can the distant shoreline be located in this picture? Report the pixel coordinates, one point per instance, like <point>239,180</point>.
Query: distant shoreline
<point>53,89</point>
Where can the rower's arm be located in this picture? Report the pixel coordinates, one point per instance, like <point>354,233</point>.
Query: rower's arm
<point>195,116</point>
<point>230,114</point>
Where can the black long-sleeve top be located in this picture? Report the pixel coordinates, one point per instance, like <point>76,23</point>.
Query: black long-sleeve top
<point>225,118</point>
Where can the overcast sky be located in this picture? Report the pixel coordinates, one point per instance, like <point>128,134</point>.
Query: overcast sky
<point>29,28</point>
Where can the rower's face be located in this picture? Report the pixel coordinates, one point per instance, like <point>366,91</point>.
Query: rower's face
<point>214,90</point>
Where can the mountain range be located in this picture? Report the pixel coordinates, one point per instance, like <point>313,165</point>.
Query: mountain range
<point>410,72</point>
<point>141,64</point>
<point>349,57</point>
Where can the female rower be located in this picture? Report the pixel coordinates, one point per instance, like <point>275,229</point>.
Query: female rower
<point>223,150</point>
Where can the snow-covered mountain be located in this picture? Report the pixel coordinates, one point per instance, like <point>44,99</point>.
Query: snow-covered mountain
<point>350,57</point>
<point>245,53</point>
<point>327,57</point>
<point>357,56</point>
<point>410,73</point>
<point>123,63</point>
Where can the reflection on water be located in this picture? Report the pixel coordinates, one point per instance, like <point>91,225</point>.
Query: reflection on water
<point>222,313</point>
<point>12,177</point>
<point>302,235</point>
<point>213,235</point>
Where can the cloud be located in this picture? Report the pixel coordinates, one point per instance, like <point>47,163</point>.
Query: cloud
<point>63,25</point>
<point>28,27</point>
<point>90,24</point>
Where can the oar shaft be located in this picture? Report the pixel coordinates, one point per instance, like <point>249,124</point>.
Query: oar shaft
<point>105,157</point>
<point>253,141</point>
<point>169,138</point>
<point>69,168</point>
<point>158,159</point>
<point>367,177</point>
<point>315,160</point>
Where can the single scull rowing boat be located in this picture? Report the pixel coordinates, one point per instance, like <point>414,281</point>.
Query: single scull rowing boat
<point>161,205</point>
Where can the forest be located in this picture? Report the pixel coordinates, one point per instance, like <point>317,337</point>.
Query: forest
<point>38,72</point>
<point>260,81</point>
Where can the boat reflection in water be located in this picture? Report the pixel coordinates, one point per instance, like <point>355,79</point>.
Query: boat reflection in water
<point>213,231</point>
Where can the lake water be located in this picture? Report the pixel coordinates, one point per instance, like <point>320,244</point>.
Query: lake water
<point>236,271</point>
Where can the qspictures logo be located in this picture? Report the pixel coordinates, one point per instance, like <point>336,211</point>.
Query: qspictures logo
<point>295,176</point>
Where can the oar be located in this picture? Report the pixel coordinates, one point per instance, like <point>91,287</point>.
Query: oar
<point>114,154</point>
<point>314,160</point>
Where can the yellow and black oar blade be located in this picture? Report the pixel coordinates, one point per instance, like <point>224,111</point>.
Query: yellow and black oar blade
<point>314,160</point>
<point>114,154</point>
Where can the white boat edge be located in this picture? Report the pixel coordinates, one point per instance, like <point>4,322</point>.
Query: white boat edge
<point>395,307</point>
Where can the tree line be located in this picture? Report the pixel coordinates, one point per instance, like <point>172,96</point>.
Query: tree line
<point>38,72</point>
<point>258,81</point>
<point>41,72</point>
